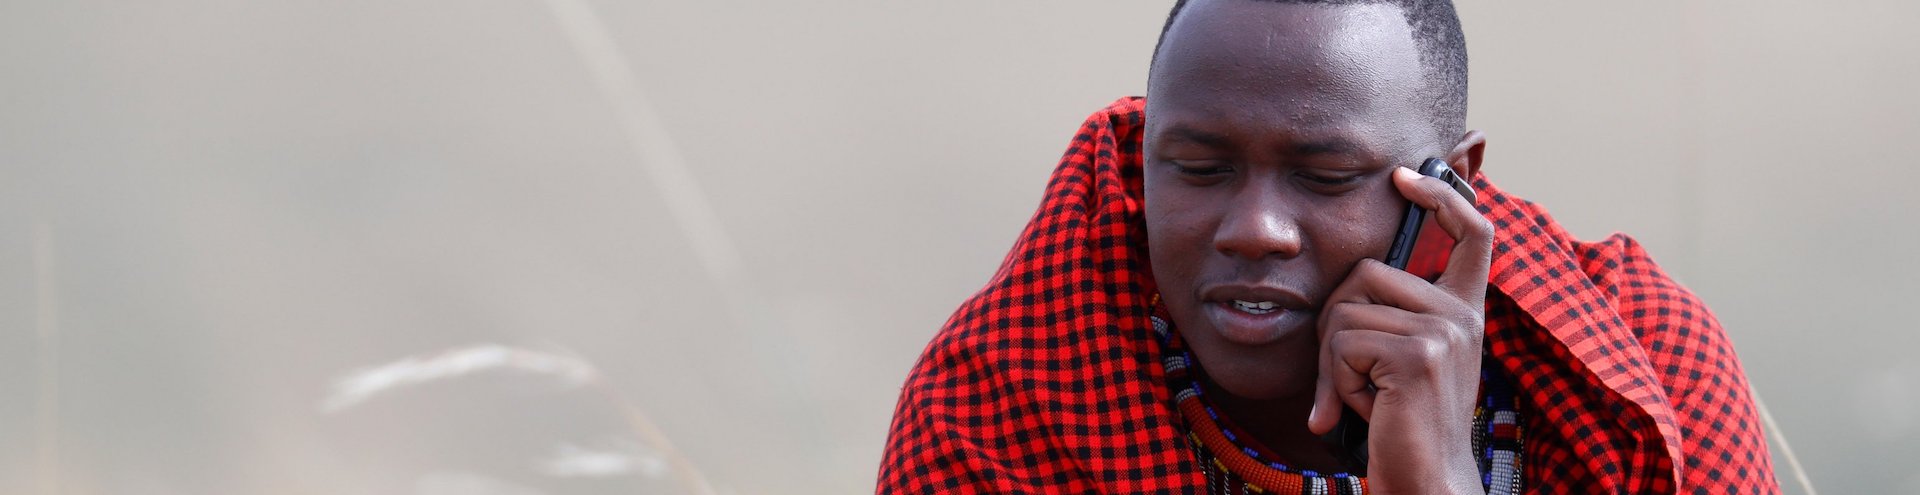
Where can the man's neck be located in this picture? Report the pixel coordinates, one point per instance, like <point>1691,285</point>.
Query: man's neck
<point>1279,425</point>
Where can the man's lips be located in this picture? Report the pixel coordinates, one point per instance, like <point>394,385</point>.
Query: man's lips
<point>1278,297</point>
<point>1252,315</point>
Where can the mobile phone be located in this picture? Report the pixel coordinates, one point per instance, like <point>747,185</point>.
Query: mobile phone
<point>1420,247</point>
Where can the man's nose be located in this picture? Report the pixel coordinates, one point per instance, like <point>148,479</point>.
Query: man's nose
<point>1258,223</point>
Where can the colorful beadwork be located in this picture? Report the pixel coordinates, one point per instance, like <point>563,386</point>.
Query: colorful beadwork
<point>1233,466</point>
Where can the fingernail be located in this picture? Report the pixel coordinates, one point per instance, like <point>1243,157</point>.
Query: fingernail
<point>1406,172</point>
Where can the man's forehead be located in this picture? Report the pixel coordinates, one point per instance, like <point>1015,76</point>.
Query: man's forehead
<point>1313,73</point>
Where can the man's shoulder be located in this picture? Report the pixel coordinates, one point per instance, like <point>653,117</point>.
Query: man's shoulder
<point>1012,335</point>
<point>1694,361</point>
<point>1607,307</point>
<point>1074,284</point>
<point>1619,270</point>
<point>1621,266</point>
<point>1022,378</point>
<point>1682,338</point>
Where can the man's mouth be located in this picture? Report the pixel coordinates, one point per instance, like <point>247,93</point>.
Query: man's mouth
<point>1255,315</point>
<point>1255,307</point>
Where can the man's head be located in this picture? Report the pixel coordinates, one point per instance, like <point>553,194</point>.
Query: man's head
<point>1272,131</point>
<point>1437,36</point>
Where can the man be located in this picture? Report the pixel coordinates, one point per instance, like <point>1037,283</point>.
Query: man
<point>1199,300</point>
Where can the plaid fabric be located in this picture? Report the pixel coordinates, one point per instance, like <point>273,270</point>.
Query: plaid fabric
<point>1049,379</point>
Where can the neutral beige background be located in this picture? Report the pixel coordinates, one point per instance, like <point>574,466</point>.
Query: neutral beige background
<point>746,220</point>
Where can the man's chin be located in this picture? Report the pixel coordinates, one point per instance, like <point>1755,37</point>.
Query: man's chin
<point>1263,373</point>
<point>1260,383</point>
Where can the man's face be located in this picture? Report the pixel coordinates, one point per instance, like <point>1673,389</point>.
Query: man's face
<point>1272,130</point>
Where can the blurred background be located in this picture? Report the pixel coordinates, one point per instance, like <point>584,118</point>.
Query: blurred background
<point>585,246</point>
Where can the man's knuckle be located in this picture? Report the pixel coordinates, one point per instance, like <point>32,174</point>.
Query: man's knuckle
<point>1479,226</point>
<point>1459,335</point>
<point>1336,314</point>
<point>1442,328</point>
<point>1432,352</point>
<point>1338,341</point>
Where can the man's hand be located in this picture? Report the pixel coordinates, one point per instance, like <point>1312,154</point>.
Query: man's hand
<point>1405,354</point>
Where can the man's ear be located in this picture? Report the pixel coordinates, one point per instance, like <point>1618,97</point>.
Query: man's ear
<point>1465,157</point>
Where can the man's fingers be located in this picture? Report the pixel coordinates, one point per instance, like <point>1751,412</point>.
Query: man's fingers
<point>1354,389</point>
<point>1379,318</point>
<point>1352,342</point>
<point>1326,402</point>
<point>1345,376</point>
<point>1359,339</point>
<point>1354,355</point>
<point>1378,311</point>
<point>1466,272</point>
<point>1374,282</point>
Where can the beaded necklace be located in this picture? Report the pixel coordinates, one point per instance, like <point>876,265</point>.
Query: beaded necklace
<point>1234,466</point>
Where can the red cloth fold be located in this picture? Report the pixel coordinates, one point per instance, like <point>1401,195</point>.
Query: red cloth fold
<point>1049,379</point>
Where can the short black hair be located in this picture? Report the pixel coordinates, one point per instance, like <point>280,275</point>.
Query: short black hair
<point>1443,55</point>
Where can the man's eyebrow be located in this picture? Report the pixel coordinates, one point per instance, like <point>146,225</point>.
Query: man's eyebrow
<point>1197,136</point>
<point>1331,146</point>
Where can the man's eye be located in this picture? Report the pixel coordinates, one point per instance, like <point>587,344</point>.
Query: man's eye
<point>1328,180</point>
<point>1206,168</point>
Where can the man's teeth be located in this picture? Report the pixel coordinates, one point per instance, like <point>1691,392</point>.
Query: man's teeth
<point>1255,307</point>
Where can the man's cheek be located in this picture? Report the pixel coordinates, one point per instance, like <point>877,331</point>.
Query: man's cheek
<point>1367,225</point>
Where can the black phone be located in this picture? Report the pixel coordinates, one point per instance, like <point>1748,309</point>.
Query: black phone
<point>1422,248</point>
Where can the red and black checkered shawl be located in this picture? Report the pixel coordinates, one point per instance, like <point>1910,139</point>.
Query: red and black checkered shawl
<point>1049,380</point>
